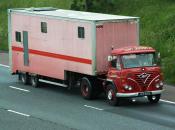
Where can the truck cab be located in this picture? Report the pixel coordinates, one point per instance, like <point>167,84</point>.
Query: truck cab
<point>134,72</point>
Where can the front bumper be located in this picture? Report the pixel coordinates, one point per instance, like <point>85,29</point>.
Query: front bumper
<point>139,94</point>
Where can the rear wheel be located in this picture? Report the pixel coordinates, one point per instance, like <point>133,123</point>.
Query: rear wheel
<point>24,78</point>
<point>86,88</point>
<point>19,76</point>
<point>111,95</point>
<point>154,98</point>
<point>34,81</point>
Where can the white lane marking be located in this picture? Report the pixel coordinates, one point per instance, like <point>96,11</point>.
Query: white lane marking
<point>94,108</point>
<point>167,101</point>
<point>5,66</point>
<point>19,113</point>
<point>25,90</point>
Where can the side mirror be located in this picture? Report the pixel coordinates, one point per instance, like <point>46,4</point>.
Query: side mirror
<point>158,55</point>
<point>158,59</point>
<point>109,58</point>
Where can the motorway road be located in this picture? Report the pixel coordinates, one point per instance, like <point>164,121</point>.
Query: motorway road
<point>55,108</point>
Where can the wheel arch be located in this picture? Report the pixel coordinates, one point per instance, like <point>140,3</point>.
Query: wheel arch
<point>109,81</point>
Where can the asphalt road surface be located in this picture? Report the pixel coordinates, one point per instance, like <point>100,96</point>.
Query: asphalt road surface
<point>55,108</point>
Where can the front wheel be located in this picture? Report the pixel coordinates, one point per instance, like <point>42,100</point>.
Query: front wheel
<point>154,98</point>
<point>111,95</point>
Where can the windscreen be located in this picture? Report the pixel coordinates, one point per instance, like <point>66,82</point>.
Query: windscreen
<point>139,60</point>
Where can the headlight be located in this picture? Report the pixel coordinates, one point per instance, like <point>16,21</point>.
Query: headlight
<point>127,87</point>
<point>161,83</point>
<point>157,85</point>
<point>130,88</point>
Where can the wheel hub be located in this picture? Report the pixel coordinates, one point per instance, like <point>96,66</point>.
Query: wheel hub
<point>110,94</point>
<point>85,90</point>
<point>154,97</point>
<point>33,82</point>
<point>23,80</point>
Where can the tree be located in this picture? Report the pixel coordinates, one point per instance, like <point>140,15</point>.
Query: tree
<point>106,6</point>
<point>75,6</point>
<point>88,5</point>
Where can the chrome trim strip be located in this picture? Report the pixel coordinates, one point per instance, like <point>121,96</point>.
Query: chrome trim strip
<point>152,81</point>
<point>10,38</point>
<point>147,78</point>
<point>137,94</point>
<point>94,48</point>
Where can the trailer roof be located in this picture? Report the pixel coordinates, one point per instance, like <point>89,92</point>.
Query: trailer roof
<point>48,11</point>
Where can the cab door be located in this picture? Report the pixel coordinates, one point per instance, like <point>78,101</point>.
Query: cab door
<point>114,72</point>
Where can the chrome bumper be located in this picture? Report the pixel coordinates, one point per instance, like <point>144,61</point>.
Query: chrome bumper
<point>138,93</point>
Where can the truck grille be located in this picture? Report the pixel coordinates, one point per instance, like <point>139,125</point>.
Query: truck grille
<point>144,79</point>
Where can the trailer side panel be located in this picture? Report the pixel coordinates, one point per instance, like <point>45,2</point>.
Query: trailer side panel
<point>51,53</point>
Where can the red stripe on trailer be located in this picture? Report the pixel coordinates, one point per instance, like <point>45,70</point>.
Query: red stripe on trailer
<point>53,55</point>
<point>17,49</point>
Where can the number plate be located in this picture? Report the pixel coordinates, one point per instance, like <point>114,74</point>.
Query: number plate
<point>145,93</point>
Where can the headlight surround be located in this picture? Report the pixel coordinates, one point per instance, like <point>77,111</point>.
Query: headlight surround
<point>159,85</point>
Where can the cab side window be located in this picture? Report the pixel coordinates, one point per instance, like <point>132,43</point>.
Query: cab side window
<point>115,63</point>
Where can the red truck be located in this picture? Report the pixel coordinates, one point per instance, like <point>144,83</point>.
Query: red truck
<point>97,52</point>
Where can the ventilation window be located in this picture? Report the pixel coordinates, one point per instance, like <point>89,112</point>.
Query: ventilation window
<point>43,27</point>
<point>81,32</point>
<point>18,36</point>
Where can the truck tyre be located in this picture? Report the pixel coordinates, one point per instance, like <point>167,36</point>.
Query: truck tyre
<point>19,76</point>
<point>24,78</point>
<point>34,81</point>
<point>111,95</point>
<point>86,88</point>
<point>154,98</point>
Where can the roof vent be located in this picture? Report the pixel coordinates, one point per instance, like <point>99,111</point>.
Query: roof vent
<point>42,9</point>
